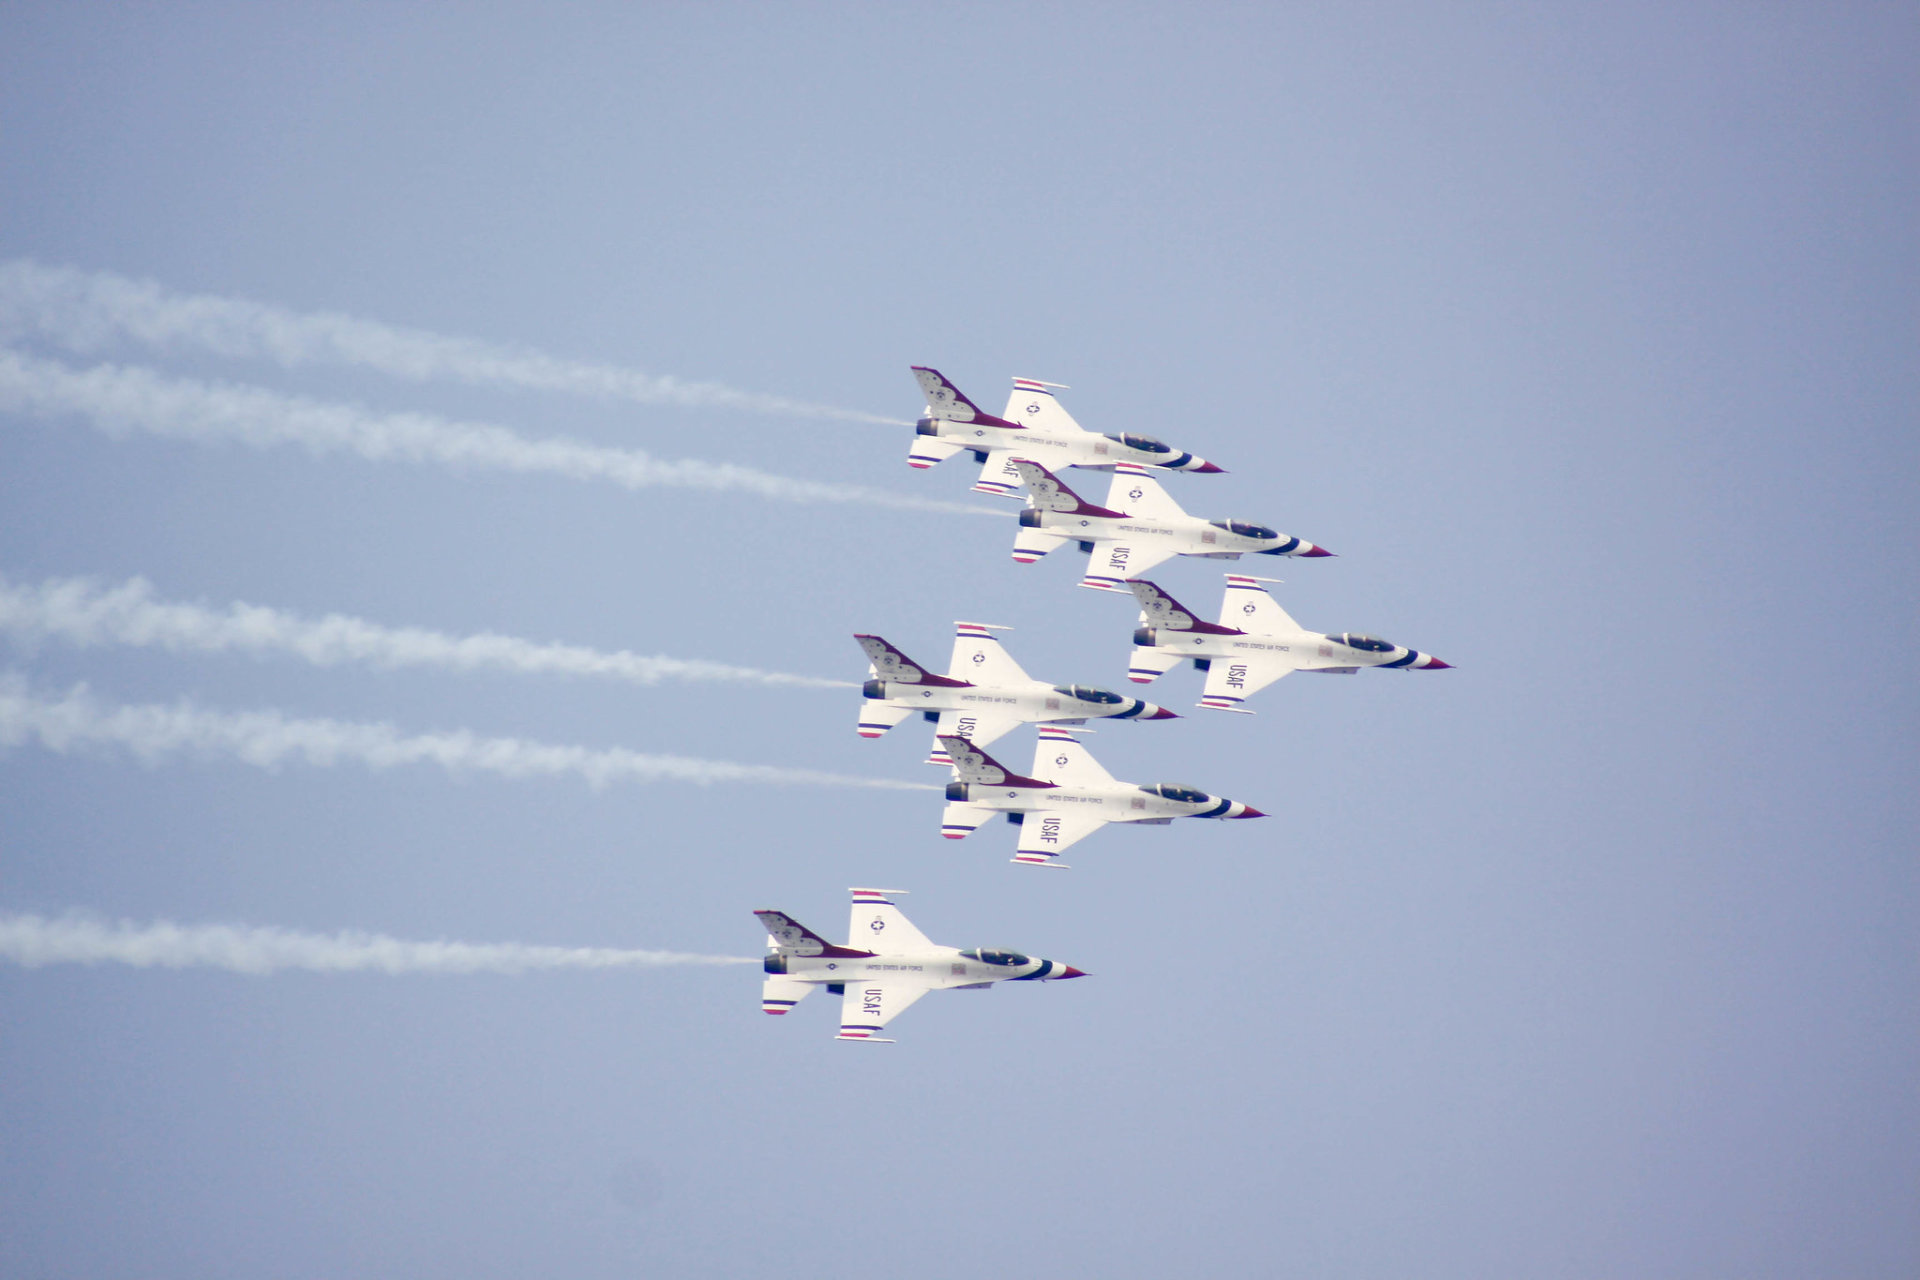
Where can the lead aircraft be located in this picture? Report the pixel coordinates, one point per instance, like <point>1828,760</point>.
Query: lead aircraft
<point>983,695</point>
<point>1140,527</point>
<point>1253,644</point>
<point>1068,799</point>
<point>1034,426</point>
<point>876,985</point>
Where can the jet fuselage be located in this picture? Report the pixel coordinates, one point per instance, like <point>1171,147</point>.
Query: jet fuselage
<point>1036,703</point>
<point>1185,535</point>
<point>937,969</point>
<point>1110,802</point>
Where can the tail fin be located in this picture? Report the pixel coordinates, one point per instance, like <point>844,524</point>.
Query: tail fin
<point>1046,492</point>
<point>891,664</point>
<point>1158,609</point>
<point>791,938</point>
<point>946,404</point>
<point>972,765</point>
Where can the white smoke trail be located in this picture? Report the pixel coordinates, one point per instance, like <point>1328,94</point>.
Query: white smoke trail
<point>76,938</point>
<point>84,612</point>
<point>86,310</point>
<point>120,399</point>
<point>77,720</point>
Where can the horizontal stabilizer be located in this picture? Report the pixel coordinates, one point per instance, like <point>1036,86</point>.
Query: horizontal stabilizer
<point>928,451</point>
<point>780,993</point>
<point>1030,544</point>
<point>1145,665</point>
<point>878,717</point>
<point>960,819</point>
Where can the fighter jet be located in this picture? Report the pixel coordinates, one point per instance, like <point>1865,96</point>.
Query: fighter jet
<point>1262,645</point>
<point>1035,426</point>
<point>983,695</point>
<point>877,984</point>
<point>1068,799</point>
<point>1138,528</point>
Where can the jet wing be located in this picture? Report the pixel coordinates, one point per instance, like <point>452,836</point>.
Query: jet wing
<point>1247,607</point>
<point>878,924</point>
<point>1139,494</point>
<point>1230,681</point>
<point>1044,835</point>
<point>1112,563</point>
<point>869,1006</point>
<point>1061,759</point>
<point>978,658</point>
<point>1034,407</point>
<point>988,726</point>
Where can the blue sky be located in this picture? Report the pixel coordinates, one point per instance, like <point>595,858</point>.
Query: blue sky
<point>1584,335</point>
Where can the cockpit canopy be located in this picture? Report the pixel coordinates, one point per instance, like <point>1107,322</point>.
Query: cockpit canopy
<point>1087,693</point>
<point>987,955</point>
<point>1244,529</point>
<point>1174,791</point>
<point>1372,644</point>
<point>1145,444</point>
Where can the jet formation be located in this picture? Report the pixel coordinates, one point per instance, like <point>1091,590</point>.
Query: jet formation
<point>1067,795</point>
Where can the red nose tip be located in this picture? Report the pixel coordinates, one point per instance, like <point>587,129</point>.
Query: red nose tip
<point>1161,713</point>
<point>1434,664</point>
<point>1208,469</point>
<point>1248,812</point>
<point>1315,554</point>
<point>1070,972</point>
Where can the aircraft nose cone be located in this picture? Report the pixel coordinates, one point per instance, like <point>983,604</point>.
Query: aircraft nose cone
<point>1070,972</point>
<point>1434,664</point>
<point>1247,811</point>
<point>1160,713</point>
<point>1315,553</point>
<point>1208,469</point>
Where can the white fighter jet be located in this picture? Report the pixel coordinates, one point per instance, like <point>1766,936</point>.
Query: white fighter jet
<point>886,966</point>
<point>1068,799</point>
<point>983,695</point>
<point>1035,426</point>
<point>1253,644</point>
<point>1138,528</point>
